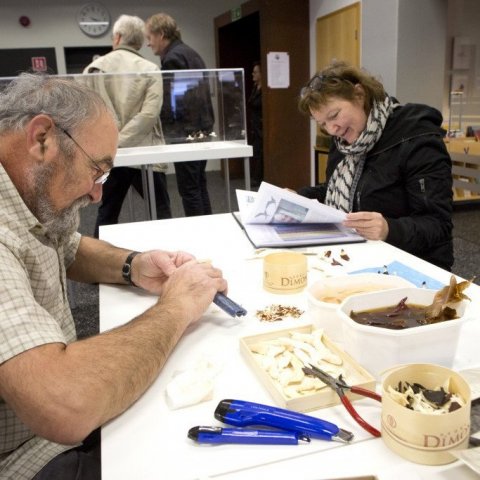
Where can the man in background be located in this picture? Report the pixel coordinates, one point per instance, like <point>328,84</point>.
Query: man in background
<point>137,101</point>
<point>194,120</point>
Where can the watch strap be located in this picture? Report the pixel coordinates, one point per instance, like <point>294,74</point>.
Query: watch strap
<point>127,268</point>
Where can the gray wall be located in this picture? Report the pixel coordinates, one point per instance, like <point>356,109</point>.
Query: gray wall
<point>53,23</point>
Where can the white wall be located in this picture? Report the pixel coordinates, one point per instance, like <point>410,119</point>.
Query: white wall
<point>53,23</point>
<point>464,21</point>
<point>422,43</point>
<point>379,37</point>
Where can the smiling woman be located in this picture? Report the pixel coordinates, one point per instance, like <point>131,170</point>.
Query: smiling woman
<point>388,167</point>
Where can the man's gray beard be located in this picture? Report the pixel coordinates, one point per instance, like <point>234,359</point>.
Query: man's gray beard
<point>59,224</point>
<point>63,223</point>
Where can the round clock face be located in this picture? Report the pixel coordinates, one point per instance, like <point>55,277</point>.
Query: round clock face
<point>93,19</point>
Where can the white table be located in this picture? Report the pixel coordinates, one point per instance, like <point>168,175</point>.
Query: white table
<point>147,156</point>
<point>149,441</point>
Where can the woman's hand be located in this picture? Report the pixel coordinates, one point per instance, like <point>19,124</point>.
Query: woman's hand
<point>370,225</point>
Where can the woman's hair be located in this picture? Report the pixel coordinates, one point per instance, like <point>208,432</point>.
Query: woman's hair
<point>131,30</point>
<point>163,23</point>
<point>339,80</point>
<point>66,101</point>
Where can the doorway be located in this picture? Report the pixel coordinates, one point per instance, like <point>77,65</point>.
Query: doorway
<point>250,33</point>
<point>238,46</point>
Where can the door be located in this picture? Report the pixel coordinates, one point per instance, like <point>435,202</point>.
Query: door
<point>338,37</point>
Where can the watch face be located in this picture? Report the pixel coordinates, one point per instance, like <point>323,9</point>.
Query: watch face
<point>93,19</point>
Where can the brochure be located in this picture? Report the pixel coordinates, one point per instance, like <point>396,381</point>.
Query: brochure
<point>277,217</point>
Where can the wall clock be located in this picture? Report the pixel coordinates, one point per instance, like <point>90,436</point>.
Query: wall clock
<point>93,19</point>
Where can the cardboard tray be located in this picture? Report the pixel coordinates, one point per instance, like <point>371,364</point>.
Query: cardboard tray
<point>326,397</point>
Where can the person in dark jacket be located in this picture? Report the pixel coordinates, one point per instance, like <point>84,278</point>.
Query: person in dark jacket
<point>195,117</point>
<point>388,166</point>
<point>254,105</point>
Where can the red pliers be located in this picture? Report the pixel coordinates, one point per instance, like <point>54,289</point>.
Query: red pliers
<point>339,385</point>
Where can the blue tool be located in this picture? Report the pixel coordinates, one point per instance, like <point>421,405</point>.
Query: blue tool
<point>228,305</point>
<point>245,436</point>
<point>241,413</point>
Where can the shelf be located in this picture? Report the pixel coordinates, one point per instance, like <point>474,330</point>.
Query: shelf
<point>181,152</point>
<point>465,155</point>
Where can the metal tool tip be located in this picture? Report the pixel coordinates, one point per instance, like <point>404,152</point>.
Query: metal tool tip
<point>304,438</point>
<point>343,436</point>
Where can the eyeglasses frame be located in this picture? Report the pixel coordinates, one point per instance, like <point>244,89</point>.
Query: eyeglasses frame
<point>102,174</point>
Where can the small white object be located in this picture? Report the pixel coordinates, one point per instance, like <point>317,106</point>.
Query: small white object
<point>191,386</point>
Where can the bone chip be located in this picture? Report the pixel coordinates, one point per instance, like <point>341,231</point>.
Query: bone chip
<point>275,313</point>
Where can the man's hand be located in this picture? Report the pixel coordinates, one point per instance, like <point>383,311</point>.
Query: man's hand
<point>150,270</point>
<point>190,289</point>
<point>370,225</point>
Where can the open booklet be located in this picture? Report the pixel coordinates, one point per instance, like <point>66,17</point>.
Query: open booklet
<point>276,217</point>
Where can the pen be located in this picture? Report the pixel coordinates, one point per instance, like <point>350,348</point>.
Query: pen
<point>228,305</point>
<point>241,413</point>
<point>246,436</point>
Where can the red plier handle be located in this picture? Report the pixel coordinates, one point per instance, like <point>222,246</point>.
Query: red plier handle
<point>346,402</point>
<point>366,393</point>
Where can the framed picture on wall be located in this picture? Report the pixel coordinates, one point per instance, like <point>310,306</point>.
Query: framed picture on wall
<point>463,53</point>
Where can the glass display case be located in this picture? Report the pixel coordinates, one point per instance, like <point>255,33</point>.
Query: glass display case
<point>202,117</point>
<point>187,115</point>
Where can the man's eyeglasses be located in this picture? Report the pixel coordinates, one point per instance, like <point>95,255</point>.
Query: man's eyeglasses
<point>102,175</point>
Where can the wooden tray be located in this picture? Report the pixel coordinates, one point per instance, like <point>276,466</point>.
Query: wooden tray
<point>325,397</point>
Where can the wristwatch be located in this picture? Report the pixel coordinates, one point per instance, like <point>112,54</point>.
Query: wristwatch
<point>127,268</point>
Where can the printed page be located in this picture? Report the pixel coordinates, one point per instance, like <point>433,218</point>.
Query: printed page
<point>277,205</point>
<point>246,201</point>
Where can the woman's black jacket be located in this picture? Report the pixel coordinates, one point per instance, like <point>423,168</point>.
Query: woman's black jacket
<point>408,179</point>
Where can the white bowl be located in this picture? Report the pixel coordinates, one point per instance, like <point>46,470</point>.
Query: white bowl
<point>324,313</point>
<point>378,349</point>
